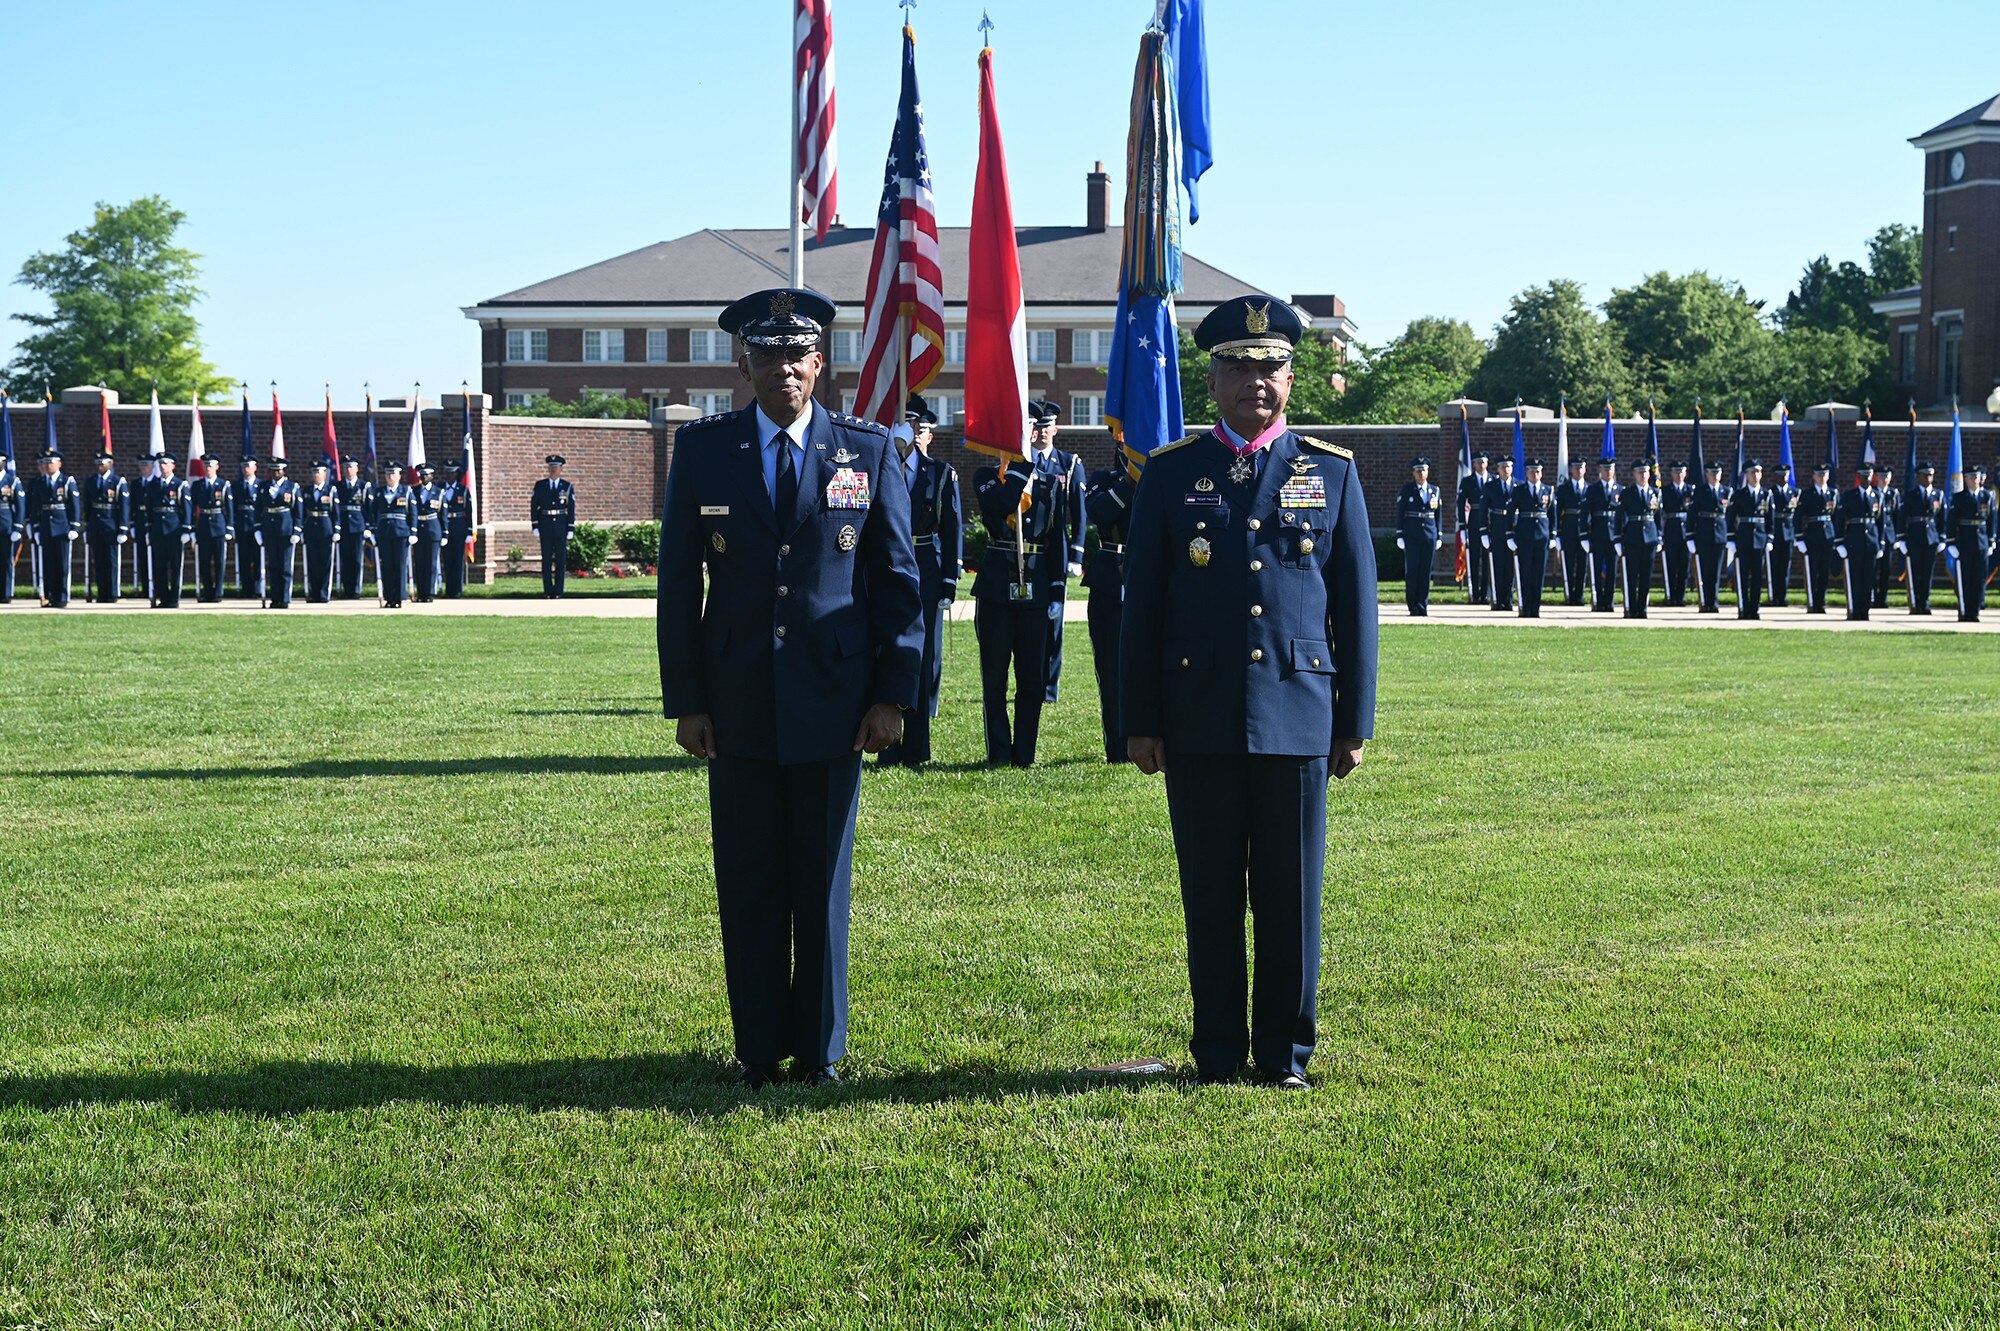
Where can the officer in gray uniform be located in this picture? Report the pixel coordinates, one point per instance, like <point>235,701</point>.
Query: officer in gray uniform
<point>1248,677</point>
<point>1417,535</point>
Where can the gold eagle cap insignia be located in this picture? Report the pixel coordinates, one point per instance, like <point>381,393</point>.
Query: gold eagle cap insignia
<point>781,305</point>
<point>1257,319</point>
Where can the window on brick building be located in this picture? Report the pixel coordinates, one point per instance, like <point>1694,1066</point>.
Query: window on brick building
<point>949,408</point>
<point>709,346</point>
<point>1906,355</point>
<point>954,346</point>
<point>657,398</point>
<point>527,344</point>
<point>656,346</point>
<point>1951,342</point>
<point>1086,409</point>
<point>1090,346</point>
<point>712,403</point>
<point>521,397</point>
<point>846,346</point>
<point>847,401</point>
<point>604,344</point>
<point>1041,346</point>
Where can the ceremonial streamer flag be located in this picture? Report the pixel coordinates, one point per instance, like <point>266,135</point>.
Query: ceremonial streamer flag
<point>1187,56</point>
<point>49,408</point>
<point>812,86</point>
<point>1954,465</point>
<point>249,438</point>
<point>1142,393</point>
<point>1653,442</point>
<point>996,341</point>
<point>1867,437</point>
<point>1520,447</point>
<point>1832,452</point>
<point>1910,453</point>
<point>1742,442</point>
<point>1464,470</point>
<point>465,479</point>
<point>197,445</point>
<point>6,436</point>
<point>1784,434</point>
<point>905,304</point>
<point>1697,463</point>
<point>156,438</point>
<point>368,455</point>
<point>277,430</point>
<point>329,442</point>
<point>1608,453</point>
<point>416,458</point>
<point>1562,438</point>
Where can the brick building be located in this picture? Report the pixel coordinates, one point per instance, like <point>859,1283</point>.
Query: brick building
<point>1944,335</point>
<point>643,324</point>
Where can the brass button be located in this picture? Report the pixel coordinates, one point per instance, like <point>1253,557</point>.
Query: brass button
<point>1256,653</point>
<point>1254,524</point>
<point>1256,610</point>
<point>1256,566</point>
<point>781,630</point>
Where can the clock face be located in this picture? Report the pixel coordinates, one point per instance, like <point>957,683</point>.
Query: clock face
<point>1958,166</point>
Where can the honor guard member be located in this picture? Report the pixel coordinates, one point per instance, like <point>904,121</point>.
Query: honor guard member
<point>1570,534</point>
<point>1886,498</point>
<point>1471,527</point>
<point>457,532</point>
<point>1750,538</point>
<point>553,513</point>
<point>1249,677</point>
<point>212,515</point>
<point>1638,538</point>
<point>1019,582</point>
<point>1815,538</point>
<point>1674,553</point>
<point>1784,520</point>
<point>805,655</point>
<point>1969,530</point>
<point>430,534</point>
<point>353,498</point>
<point>938,533</point>
<point>1533,507</point>
<point>1417,535</point>
<point>13,524</point>
<point>249,562</point>
<point>107,505</point>
<point>1602,526</point>
<point>166,513</point>
<point>1708,536</point>
<point>1858,520</point>
<point>1499,528</point>
<point>317,507</point>
<point>55,521</point>
<point>1921,515</point>
<point>392,530</point>
<point>277,532</point>
<point>1068,471</point>
<point>1107,502</point>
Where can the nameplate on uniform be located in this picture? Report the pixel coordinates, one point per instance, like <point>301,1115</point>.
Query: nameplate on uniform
<point>1210,500</point>
<point>715,510</point>
<point>847,489</point>
<point>1303,492</point>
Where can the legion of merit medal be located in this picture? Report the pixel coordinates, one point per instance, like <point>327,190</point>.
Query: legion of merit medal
<point>1198,551</point>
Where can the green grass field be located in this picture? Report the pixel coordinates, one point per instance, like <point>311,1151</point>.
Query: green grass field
<point>365,972</point>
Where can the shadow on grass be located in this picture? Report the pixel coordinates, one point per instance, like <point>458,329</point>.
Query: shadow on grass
<point>539,764</point>
<point>653,711</point>
<point>695,1085</point>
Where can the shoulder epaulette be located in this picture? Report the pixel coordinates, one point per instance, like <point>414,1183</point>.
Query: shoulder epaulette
<point>707,420</point>
<point>1324,447</point>
<point>858,423</point>
<point>1178,443</point>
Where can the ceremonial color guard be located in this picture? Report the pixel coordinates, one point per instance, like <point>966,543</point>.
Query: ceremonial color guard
<point>166,514</point>
<point>1417,535</point>
<point>1248,676</point>
<point>430,534</point>
<point>1532,507</point>
<point>937,530</point>
<point>1019,582</point>
<point>457,532</point>
<point>1638,539</point>
<point>1601,528</point>
<point>1068,471</point>
<point>1499,528</point>
<point>13,523</point>
<point>1885,534</point>
<point>392,522</point>
<point>1783,534</point>
<point>1571,534</point>
<point>1471,504</point>
<point>1858,521</point>
<point>552,512</point>
<point>107,506</point>
<point>1675,554</point>
<point>212,515</point>
<point>318,510</point>
<point>1971,526</point>
<point>353,498</point>
<point>249,554</point>
<point>1922,518</point>
<point>804,654</point>
<point>1816,537</point>
<point>55,522</point>
<point>1750,539</point>
<point>1708,537</point>
<point>277,533</point>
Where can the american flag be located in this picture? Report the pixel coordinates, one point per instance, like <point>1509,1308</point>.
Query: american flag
<point>904,276</point>
<point>812,86</point>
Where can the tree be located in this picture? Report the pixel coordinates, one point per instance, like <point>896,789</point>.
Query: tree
<point>1801,365</point>
<point>1551,343</point>
<point>1314,401</point>
<point>1895,258</point>
<point>123,298</point>
<point>1406,381</point>
<point>589,405</point>
<point>1666,325</point>
<point>1831,296</point>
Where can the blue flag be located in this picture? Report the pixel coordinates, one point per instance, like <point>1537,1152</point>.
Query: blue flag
<point>1742,446</point>
<point>1954,465</point>
<point>1697,464</point>
<point>1142,391</point>
<point>1520,447</point>
<point>1653,441</point>
<point>1187,41</point>
<point>1784,435</point>
<point>1832,452</point>
<point>368,456</point>
<point>1609,453</point>
<point>249,438</point>
<point>6,434</point>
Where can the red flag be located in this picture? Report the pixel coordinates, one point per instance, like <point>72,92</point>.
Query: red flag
<point>277,429</point>
<point>329,443</point>
<point>996,338</point>
<point>104,420</point>
<point>812,89</point>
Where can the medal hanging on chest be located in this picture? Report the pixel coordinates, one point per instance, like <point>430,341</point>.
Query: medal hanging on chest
<point>1242,469</point>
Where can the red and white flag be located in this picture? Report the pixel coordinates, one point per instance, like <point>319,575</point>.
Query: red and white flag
<point>197,446</point>
<point>277,430</point>
<point>996,330</point>
<point>812,87</point>
<point>329,442</point>
<point>905,304</point>
<point>416,458</point>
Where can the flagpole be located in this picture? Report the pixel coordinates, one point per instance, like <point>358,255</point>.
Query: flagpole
<point>798,183</point>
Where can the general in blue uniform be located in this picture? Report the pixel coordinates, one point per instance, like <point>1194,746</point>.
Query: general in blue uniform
<point>166,515</point>
<point>55,522</point>
<point>1815,537</point>
<point>1533,507</point>
<point>552,512</point>
<point>805,654</point>
<point>1248,674</point>
<point>212,512</point>
<point>938,531</point>
<point>1417,535</point>
<point>392,530</point>
<point>353,498</point>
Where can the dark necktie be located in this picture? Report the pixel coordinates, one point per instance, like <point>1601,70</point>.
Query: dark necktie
<point>788,478</point>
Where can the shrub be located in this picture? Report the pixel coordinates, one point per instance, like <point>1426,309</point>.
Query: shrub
<point>639,543</point>
<point>589,546</point>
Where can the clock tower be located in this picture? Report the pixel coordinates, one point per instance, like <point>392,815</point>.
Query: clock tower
<point>1957,315</point>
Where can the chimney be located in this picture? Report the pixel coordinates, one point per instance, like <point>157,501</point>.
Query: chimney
<point>1097,199</point>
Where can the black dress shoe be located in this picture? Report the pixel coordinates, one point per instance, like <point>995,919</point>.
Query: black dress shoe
<point>756,1076</point>
<point>1289,1081</point>
<point>822,1077</point>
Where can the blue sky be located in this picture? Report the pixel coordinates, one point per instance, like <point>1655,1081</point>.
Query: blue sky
<point>355,173</point>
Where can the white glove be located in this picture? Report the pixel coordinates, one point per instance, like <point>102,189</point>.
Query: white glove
<point>413,540</point>
<point>1513,545</point>
<point>1902,548</point>
<point>1055,609</point>
<point>1840,550</point>
<point>1586,547</point>
<point>368,538</point>
<point>122,538</point>
<point>187,538</point>
<point>259,536</point>
<point>16,537</point>
<point>1800,546</point>
<point>1730,546</point>
<point>1076,570</point>
<point>1691,549</point>
<point>296,538</point>
<point>1618,549</point>
<point>1437,544</point>
<point>1555,543</point>
<point>1486,541</point>
<point>1400,545</point>
<point>944,603</point>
